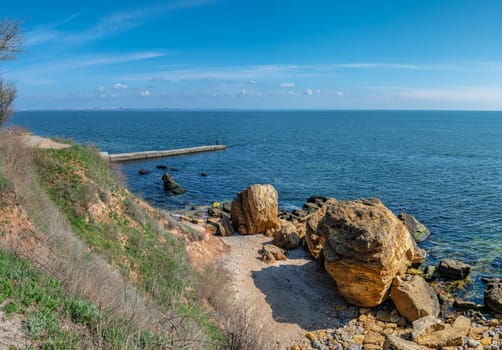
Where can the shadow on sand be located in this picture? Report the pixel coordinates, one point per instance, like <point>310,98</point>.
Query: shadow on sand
<point>303,293</point>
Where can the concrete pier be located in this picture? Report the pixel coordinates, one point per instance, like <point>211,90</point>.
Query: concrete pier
<point>124,157</point>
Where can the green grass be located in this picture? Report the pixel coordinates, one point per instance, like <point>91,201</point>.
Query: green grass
<point>28,291</point>
<point>6,188</point>
<point>5,184</point>
<point>133,242</point>
<point>40,298</point>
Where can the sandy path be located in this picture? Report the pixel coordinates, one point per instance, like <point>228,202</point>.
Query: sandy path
<point>42,142</point>
<point>293,296</point>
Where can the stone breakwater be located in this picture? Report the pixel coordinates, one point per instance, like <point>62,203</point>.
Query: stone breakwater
<point>373,257</point>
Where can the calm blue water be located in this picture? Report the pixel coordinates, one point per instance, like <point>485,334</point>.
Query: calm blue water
<point>443,167</point>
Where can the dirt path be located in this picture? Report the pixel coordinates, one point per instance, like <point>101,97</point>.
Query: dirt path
<point>42,142</point>
<point>294,296</point>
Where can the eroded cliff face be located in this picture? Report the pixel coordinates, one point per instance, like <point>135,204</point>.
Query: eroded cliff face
<point>365,247</point>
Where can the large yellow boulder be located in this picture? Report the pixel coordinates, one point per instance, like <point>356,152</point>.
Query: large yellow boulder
<point>255,210</point>
<point>366,246</point>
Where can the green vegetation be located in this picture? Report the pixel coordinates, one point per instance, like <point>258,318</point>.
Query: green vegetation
<point>111,272</point>
<point>6,188</point>
<point>114,225</point>
<point>46,306</point>
<point>162,265</point>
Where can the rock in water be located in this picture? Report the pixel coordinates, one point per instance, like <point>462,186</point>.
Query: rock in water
<point>493,296</point>
<point>255,210</point>
<point>414,298</point>
<point>451,269</point>
<point>366,247</point>
<point>171,186</point>
<point>417,229</point>
<point>143,171</point>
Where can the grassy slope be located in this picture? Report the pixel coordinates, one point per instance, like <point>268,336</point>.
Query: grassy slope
<point>114,225</point>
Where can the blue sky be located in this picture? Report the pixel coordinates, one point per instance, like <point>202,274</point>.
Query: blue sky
<point>407,54</point>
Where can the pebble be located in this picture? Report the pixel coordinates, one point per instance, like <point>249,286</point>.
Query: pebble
<point>316,344</point>
<point>472,343</point>
<point>368,328</point>
<point>486,341</point>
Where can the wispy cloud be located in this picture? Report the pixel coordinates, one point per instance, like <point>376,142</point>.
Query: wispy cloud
<point>146,93</point>
<point>43,72</point>
<point>119,86</point>
<point>452,94</point>
<point>47,32</point>
<point>369,65</point>
<point>87,61</point>
<point>217,73</point>
<point>252,73</point>
<point>287,85</point>
<point>104,27</point>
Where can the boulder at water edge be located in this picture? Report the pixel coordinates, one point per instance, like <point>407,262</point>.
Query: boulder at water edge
<point>451,269</point>
<point>493,296</point>
<point>417,229</point>
<point>366,247</point>
<point>255,210</point>
<point>414,298</point>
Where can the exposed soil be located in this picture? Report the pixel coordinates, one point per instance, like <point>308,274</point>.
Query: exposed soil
<point>294,296</point>
<point>42,142</point>
<point>12,332</point>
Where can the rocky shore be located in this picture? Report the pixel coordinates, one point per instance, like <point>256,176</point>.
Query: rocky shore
<point>395,301</point>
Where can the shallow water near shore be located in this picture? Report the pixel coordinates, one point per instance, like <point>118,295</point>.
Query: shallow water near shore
<point>445,168</point>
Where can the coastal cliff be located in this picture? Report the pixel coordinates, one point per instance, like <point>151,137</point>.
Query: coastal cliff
<point>85,264</point>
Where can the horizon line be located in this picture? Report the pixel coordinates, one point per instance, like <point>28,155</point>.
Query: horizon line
<point>202,109</point>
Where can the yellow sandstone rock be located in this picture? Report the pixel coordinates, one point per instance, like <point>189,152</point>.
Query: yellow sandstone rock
<point>255,210</point>
<point>366,247</point>
<point>475,333</point>
<point>374,338</point>
<point>311,336</point>
<point>486,341</point>
<point>358,338</point>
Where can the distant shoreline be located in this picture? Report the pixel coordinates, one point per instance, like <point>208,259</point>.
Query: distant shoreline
<point>129,109</point>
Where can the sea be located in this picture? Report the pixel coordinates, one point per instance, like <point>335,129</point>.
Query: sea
<point>443,167</point>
